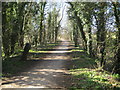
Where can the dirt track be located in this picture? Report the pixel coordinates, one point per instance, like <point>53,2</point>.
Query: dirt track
<point>50,72</point>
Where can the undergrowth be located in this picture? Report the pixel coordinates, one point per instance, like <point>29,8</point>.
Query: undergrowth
<point>90,77</point>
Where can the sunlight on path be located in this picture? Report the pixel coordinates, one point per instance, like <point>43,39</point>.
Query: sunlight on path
<point>50,73</point>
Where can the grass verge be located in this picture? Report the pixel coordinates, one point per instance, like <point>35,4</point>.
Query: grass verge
<point>88,77</point>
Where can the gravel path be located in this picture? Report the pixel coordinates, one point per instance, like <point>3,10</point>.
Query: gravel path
<point>50,72</point>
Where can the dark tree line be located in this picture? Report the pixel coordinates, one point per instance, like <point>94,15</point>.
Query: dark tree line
<point>93,20</point>
<point>28,22</point>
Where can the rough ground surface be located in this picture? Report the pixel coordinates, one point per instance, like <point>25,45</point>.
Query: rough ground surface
<point>50,72</point>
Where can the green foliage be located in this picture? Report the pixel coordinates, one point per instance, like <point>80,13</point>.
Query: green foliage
<point>87,76</point>
<point>100,24</point>
<point>25,22</point>
<point>33,51</point>
<point>116,76</point>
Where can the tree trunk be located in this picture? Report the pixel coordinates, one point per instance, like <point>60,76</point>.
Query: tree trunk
<point>101,33</point>
<point>44,35</point>
<point>26,51</point>
<point>56,34</point>
<point>41,22</point>
<point>0,33</point>
<point>5,32</point>
<point>21,20</point>
<point>89,48</point>
<point>49,28</point>
<point>56,28</point>
<point>117,55</point>
<point>75,35</point>
<point>13,41</point>
<point>79,23</point>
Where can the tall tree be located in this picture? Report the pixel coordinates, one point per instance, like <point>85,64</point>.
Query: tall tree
<point>75,34</point>
<point>86,11</point>
<point>79,23</point>
<point>14,30</point>
<point>117,19</point>
<point>21,20</point>
<point>0,32</point>
<point>5,31</point>
<point>42,8</point>
<point>101,31</point>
